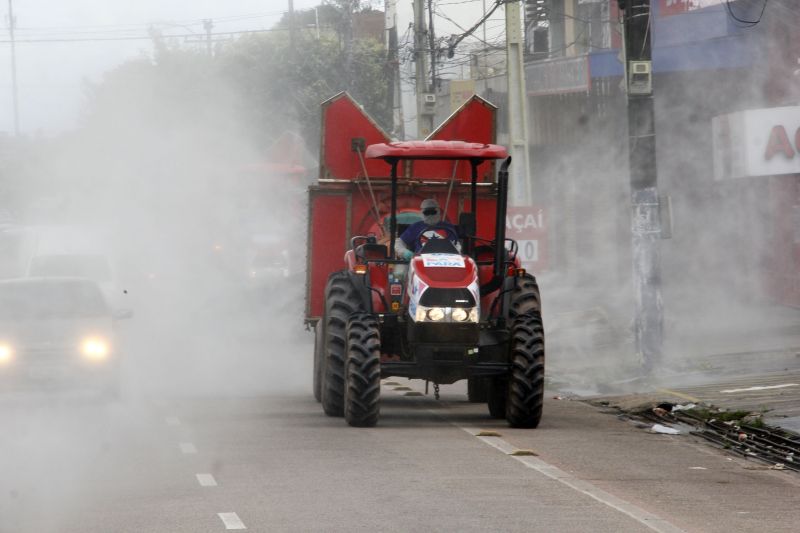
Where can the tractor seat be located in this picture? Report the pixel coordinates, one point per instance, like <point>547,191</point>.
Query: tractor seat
<point>368,251</point>
<point>439,246</point>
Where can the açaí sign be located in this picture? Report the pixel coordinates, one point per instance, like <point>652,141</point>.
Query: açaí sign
<point>527,226</point>
<point>758,142</point>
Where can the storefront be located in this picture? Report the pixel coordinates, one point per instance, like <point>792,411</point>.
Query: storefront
<point>763,146</point>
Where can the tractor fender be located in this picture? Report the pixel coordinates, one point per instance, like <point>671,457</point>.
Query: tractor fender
<point>361,285</point>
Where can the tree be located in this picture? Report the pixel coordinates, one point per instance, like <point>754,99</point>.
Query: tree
<point>279,83</point>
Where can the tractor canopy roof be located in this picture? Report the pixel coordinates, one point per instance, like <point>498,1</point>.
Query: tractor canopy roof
<point>437,150</point>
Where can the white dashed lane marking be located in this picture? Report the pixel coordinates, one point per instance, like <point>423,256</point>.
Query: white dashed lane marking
<point>206,480</point>
<point>188,447</point>
<point>231,521</point>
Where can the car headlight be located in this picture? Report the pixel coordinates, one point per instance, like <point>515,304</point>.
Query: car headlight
<point>6,353</point>
<point>95,349</point>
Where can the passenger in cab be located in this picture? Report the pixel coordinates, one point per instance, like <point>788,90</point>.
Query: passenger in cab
<point>432,226</point>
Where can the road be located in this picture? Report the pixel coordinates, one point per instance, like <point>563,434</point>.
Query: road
<point>275,462</point>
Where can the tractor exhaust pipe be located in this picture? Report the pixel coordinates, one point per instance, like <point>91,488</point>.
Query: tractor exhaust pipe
<point>500,221</point>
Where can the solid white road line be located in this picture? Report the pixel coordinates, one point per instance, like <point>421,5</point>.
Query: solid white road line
<point>172,421</point>
<point>206,480</point>
<point>188,447</point>
<point>231,521</point>
<point>640,515</point>
<point>764,387</point>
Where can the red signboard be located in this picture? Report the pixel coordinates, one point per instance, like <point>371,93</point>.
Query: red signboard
<point>528,226</point>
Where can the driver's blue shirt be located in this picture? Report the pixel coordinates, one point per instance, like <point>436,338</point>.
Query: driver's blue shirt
<point>417,234</point>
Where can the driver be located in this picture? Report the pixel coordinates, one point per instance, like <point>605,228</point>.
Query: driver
<point>430,227</point>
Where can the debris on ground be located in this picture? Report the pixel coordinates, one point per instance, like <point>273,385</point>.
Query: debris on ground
<point>658,428</point>
<point>741,432</point>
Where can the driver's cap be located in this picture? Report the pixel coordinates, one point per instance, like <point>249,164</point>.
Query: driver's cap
<point>429,203</point>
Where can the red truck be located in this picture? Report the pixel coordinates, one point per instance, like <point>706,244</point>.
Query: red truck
<point>453,311</point>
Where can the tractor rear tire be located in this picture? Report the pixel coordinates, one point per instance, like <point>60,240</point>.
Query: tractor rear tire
<point>526,381</point>
<point>477,390</point>
<point>497,396</point>
<point>341,301</point>
<point>362,371</point>
<point>525,297</point>
<point>319,359</point>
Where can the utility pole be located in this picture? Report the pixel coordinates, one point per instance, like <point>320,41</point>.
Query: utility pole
<point>291,24</point>
<point>395,98</point>
<point>517,106</point>
<point>348,40</point>
<point>14,94</point>
<point>432,46</point>
<point>645,220</point>
<point>426,100</point>
<point>208,25</point>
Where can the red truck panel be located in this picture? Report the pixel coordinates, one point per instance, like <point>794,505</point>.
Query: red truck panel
<point>327,241</point>
<point>342,121</point>
<point>473,122</point>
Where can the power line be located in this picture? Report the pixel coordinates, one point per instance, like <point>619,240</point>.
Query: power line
<point>138,37</point>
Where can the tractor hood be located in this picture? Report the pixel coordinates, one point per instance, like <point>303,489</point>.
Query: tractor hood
<point>446,281</point>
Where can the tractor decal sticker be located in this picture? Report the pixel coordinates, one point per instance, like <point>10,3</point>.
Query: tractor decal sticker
<point>417,288</point>
<point>474,288</point>
<point>435,233</point>
<point>442,261</point>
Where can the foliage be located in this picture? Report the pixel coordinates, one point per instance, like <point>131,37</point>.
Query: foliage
<point>280,84</point>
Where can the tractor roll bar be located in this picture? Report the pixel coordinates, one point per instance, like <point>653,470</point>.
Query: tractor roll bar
<point>393,217</point>
<point>500,221</point>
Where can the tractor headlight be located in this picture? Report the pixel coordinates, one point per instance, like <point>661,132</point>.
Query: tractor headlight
<point>429,314</point>
<point>95,349</point>
<point>435,314</point>
<point>446,314</point>
<point>460,314</point>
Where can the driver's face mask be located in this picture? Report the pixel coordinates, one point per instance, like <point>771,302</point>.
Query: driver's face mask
<point>431,216</point>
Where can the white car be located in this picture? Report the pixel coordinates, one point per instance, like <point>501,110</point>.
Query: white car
<point>57,331</point>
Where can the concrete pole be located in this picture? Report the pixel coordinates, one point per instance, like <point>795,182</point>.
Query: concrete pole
<point>14,93</point>
<point>517,107</point>
<point>395,89</point>
<point>645,219</point>
<point>424,109</point>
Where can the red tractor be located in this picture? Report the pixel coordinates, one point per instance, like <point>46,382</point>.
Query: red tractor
<point>453,311</point>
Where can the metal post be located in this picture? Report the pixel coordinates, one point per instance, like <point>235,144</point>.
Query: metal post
<point>290,15</point>
<point>645,220</point>
<point>14,93</point>
<point>424,117</point>
<point>395,96</point>
<point>517,106</point>
<point>208,26</point>
<point>393,219</point>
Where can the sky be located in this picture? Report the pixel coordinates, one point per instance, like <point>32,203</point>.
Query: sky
<point>51,75</point>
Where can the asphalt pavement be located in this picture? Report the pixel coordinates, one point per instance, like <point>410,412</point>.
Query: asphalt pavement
<point>275,462</point>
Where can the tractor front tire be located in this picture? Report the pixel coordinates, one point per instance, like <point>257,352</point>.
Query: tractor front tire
<point>319,359</point>
<point>525,298</point>
<point>526,381</point>
<point>362,371</point>
<point>341,301</point>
